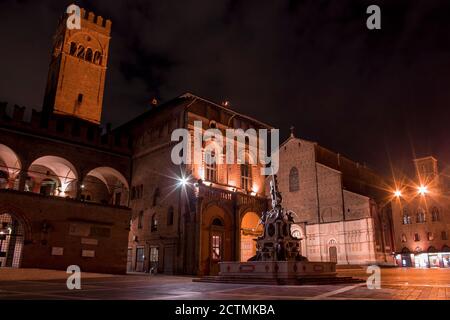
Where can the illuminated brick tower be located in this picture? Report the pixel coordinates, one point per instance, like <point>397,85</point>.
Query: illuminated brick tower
<point>76,78</point>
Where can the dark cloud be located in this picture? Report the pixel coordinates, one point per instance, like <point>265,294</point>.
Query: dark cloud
<point>310,63</point>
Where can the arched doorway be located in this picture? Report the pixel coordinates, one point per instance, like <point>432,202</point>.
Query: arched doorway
<point>216,239</point>
<point>10,167</point>
<point>298,232</point>
<point>105,185</point>
<point>52,176</point>
<point>11,241</point>
<point>332,251</point>
<point>250,230</point>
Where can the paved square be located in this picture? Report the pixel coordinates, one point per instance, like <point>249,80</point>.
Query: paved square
<point>402,284</point>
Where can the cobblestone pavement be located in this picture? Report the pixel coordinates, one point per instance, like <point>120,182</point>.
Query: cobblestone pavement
<point>403,284</point>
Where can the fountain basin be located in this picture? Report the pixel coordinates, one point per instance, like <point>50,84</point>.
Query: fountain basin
<point>277,269</point>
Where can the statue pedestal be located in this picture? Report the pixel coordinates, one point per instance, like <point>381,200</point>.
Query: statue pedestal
<point>284,270</point>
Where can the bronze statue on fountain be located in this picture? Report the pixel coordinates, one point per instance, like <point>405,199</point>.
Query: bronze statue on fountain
<point>277,242</point>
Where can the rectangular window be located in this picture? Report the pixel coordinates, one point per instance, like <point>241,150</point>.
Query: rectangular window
<point>117,198</point>
<point>216,248</point>
<point>416,237</point>
<point>246,176</point>
<point>154,254</point>
<point>140,218</point>
<point>80,98</point>
<point>444,235</point>
<point>430,236</point>
<point>140,257</point>
<point>211,167</point>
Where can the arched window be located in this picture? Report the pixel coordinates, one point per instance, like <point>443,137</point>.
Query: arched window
<point>293,180</point>
<point>80,52</point>
<point>154,223</point>
<point>170,216</point>
<point>406,217</point>
<point>156,195</point>
<point>89,54</point>
<point>73,48</point>
<point>421,217</point>
<point>97,57</point>
<point>435,214</point>
<point>140,219</point>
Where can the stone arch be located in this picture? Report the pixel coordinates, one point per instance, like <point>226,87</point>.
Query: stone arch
<point>105,185</point>
<point>15,232</point>
<point>80,38</point>
<point>10,167</point>
<point>333,250</point>
<point>216,240</point>
<point>250,229</point>
<point>298,232</point>
<point>52,175</point>
<point>89,55</point>
<point>73,48</point>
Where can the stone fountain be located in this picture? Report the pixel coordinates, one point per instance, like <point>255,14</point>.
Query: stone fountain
<point>278,259</point>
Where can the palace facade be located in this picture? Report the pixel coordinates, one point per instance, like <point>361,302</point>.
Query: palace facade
<point>421,212</point>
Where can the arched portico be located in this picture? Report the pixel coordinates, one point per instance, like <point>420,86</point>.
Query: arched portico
<point>105,185</point>
<point>10,167</point>
<point>249,231</point>
<point>52,176</point>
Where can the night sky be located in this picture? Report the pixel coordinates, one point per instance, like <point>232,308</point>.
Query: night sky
<point>373,96</point>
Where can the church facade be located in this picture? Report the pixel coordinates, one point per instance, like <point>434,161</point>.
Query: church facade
<point>340,206</point>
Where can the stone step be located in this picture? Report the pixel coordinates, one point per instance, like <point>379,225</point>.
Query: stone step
<point>262,281</point>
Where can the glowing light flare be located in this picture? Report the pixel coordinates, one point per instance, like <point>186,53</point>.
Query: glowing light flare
<point>183,181</point>
<point>397,193</point>
<point>423,190</point>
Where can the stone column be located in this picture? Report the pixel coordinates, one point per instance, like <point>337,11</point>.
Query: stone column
<point>22,180</point>
<point>198,236</point>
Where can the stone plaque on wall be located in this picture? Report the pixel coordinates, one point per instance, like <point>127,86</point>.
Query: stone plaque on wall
<point>88,241</point>
<point>57,251</point>
<point>79,229</point>
<point>102,232</point>
<point>88,253</point>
